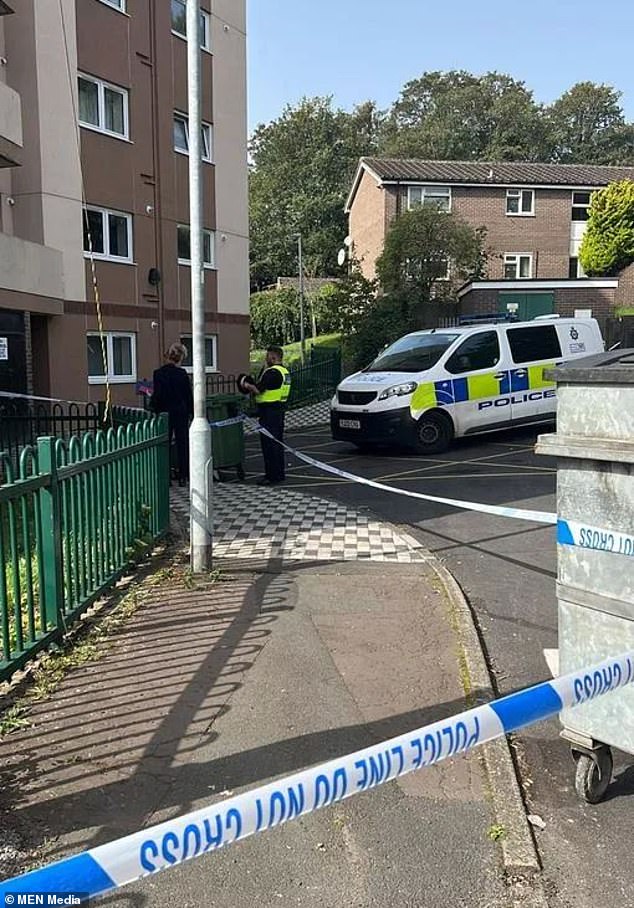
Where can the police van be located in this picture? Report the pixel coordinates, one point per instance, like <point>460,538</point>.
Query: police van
<point>432,386</point>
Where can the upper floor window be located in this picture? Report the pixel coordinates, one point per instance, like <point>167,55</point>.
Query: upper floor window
<point>184,247</point>
<point>117,4</point>
<point>181,137</point>
<point>520,201</point>
<point>440,196</point>
<point>518,266</point>
<point>179,23</point>
<point>581,205</point>
<point>103,106</point>
<point>108,234</point>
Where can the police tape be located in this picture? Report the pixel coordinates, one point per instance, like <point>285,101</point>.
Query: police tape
<point>598,539</point>
<point>496,510</point>
<point>49,400</point>
<point>231,421</point>
<point>107,867</point>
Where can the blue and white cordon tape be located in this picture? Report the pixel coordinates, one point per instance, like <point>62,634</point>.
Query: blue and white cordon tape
<point>583,535</point>
<point>108,867</point>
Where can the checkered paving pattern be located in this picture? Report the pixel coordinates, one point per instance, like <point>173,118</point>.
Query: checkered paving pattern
<point>282,524</point>
<point>312,415</point>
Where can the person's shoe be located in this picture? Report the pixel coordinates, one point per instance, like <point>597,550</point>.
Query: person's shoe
<point>182,483</point>
<point>264,481</point>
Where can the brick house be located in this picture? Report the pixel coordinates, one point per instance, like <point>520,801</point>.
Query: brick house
<point>535,216</point>
<point>94,146</point>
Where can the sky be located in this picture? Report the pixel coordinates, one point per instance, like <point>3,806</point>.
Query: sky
<point>367,49</point>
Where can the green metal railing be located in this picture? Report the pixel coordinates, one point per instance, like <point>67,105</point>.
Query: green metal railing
<point>71,522</point>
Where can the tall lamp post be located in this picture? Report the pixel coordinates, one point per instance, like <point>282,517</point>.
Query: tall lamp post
<point>200,432</point>
<point>302,332</point>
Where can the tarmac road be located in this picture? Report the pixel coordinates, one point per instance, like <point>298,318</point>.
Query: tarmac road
<point>507,568</point>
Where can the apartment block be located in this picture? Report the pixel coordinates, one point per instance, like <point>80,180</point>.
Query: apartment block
<point>535,217</point>
<point>94,155</point>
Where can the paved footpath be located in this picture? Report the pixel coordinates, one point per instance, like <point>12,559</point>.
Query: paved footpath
<point>326,632</point>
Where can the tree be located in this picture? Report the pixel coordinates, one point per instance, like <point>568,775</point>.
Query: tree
<point>459,116</point>
<point>587,126</point>
<point>608,243</point>
<point>428,252</point>
<point>274,317</point>
<point>302,167</point>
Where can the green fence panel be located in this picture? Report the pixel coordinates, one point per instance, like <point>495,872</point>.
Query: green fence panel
<point>79,511</point>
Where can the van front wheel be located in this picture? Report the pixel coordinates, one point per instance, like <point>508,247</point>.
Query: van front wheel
<point>434,432</point>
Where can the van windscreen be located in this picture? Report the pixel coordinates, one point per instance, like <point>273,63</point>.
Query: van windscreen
<point>414,353</point>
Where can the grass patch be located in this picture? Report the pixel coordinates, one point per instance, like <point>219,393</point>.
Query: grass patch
<point>292,352</point>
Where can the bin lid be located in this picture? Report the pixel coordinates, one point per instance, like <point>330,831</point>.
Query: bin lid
<point>224,398</point>
<point>613,368</point>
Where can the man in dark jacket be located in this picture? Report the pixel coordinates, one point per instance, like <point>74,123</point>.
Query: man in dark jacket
<point>173,395</point>
<point>271,394</point>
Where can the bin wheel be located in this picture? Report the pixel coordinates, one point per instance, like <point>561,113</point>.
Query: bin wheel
<point>240,473</point>
<point>593,775</point>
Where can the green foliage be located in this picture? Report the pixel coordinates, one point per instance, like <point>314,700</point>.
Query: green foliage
<point>292,352</point>
<point>456,115</point>
<point>274,317</point>
<point>586,124</point>
<point>384,320</point>
<point>608,244</point>
<point>419,248</point>
<point>303,164</point>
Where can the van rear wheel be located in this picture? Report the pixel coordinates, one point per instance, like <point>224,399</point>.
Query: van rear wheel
<point>434,433</point>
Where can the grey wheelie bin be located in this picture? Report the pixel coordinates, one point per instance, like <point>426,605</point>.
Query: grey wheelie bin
<point>594,447</point>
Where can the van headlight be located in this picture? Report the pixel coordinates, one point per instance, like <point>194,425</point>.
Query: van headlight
<point>398,390</point>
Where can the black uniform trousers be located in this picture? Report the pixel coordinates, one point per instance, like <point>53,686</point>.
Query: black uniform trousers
<point>179,431</point>
<point>272,418</point>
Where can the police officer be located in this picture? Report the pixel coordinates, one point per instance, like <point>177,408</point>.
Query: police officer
<point>271,392</point>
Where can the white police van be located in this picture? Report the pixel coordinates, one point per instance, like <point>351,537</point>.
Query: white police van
<point>432,386</point>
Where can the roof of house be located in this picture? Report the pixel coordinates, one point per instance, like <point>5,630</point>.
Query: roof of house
<point>488,173</point>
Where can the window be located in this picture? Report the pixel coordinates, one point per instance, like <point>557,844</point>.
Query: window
<point>103,107</point>
<point>534,344</point>
<point>179,23</point>
<point>518,266</point>
<point>413,353</point>
<point>580,205</point>
<point>108,234</point>
<point>117,4</point>
<point>211,352</point>
<point>575,270</point>
<point>120,351</point>
<point>520,201</point>
<point>480,351</point>
<point>209,247</point>
<point>181,137</point>
<point>440,196</point>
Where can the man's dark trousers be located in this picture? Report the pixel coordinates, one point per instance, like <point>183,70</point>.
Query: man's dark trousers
<point>272,418</point>
<point>179,431</point>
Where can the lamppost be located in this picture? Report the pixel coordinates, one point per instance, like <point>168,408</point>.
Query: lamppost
<point>302,333</point>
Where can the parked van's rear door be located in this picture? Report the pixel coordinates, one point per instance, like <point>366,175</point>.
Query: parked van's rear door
<point>533,349</point>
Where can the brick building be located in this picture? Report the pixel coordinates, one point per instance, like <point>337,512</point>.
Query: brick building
<point>535,217</point>
<point>94,169</point>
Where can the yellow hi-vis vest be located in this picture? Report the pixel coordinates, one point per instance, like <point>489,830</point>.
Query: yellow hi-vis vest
<point>279,395</point>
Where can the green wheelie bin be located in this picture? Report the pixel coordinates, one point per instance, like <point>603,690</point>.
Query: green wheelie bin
<point>227,441</point>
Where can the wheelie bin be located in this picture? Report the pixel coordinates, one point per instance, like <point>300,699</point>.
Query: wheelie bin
<point>227,440</point>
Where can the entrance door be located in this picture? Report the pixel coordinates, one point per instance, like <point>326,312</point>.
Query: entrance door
<point>12,352</point>
<point>526,306</point>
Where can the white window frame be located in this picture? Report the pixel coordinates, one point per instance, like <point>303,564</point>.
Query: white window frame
<point>209,266</point>
<point>111,378</point>
<point>187,340</point>
<point>106,256</point>
<point>518,193</point>
<point>446,190</point>
<point>101,107</point>
<point>510,257</point>
<point>205,18</point>
<point>208,138</point>
<point>119,5</point>
<point>574,205</point>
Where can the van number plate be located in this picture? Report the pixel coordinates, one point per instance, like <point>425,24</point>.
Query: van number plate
<point>350,423</point>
